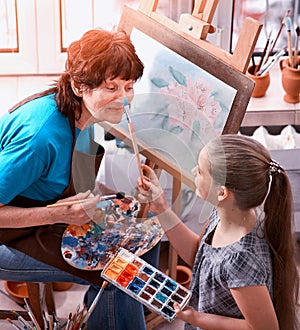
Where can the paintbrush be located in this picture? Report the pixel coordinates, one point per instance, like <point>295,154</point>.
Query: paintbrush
<point>133,138</point>
<point>278,34</point>
<point>268,66</point>
<point>13,324</point>
<point>92,307</point>
<point>26,325</point>
<point>118,195</point>
<point>288,24</point>
<point>257,68</point>
<point>296,47</point>
<point>31,315</point>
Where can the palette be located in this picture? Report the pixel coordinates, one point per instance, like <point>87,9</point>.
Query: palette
<point>115,225</point>
<point>145,283</point>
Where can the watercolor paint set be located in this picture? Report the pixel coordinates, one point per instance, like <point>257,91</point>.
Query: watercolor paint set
<point>145,283</point>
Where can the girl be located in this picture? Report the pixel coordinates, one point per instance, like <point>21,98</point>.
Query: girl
<point>244,273</point>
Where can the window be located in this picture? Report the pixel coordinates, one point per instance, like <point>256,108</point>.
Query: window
<point>36,33</point>
<point>8,26</point>
<point>271,14</point>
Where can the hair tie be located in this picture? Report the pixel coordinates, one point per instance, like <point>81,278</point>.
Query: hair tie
<point>274,167</point>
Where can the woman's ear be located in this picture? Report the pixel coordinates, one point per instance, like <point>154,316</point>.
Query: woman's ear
<point>223,193</point>
<point>77,91</point>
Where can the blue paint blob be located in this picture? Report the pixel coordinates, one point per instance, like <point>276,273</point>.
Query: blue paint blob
<point>171,285</point>
<point>161,297</point>
<point>148,270</point>
<point>70,241</point>
<point>140,283</point>
<point>134,288</point>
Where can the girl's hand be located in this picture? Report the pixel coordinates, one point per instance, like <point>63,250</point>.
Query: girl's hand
<point>186,315</point>
<point>150,191</point>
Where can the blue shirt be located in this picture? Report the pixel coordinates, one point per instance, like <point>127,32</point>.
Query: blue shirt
<point>35,151</point>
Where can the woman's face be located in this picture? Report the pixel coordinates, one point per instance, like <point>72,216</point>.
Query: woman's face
<point>205,187</point>
<point>105,103</point>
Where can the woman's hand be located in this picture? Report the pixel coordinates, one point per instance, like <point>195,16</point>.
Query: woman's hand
<point>150,191</point>
<point>80,213</point>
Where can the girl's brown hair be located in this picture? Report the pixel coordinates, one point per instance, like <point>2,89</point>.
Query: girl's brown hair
<point>245,167</point>
<point>96,57</point>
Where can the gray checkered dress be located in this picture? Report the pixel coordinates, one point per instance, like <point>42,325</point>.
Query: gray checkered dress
<point>216,270</point>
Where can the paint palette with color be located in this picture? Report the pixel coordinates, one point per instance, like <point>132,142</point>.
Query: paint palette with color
<point>145,283</point>
<point>115,225</point>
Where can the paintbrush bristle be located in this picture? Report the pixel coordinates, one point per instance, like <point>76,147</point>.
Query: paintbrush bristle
<point>288,23</point>
<point>126,109</point>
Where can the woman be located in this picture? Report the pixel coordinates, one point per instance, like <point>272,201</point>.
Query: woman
<point>244,273</point>
<point>39,166</point>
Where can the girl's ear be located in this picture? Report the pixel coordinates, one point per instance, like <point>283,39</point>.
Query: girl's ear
<point>77,91</point>
<point>223,193</point>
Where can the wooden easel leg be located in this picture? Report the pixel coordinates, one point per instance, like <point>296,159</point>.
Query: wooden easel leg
<point>148,6</point>
<point>50,304</point>
<point>35,302</point>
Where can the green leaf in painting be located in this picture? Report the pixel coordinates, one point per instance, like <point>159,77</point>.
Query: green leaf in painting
<point>165,122</point>
<point>196,130</point>
<point>176,129</point>
<point>178,76</point>
<point>159,82</point>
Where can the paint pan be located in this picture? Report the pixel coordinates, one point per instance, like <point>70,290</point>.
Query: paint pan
<point>145,283</point>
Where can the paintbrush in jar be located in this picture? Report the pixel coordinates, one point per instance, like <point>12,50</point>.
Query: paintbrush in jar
<point>296,47</point>
<point>278,34</point>
<point>263,55</point>
<point>288,24</point>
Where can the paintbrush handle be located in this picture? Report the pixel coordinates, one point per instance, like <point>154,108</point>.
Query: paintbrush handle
<point>133,139</point>
<point>296,47</point>
<point>278,33</point>
<point>69,203</point>
<point>135,148</point>
<point>31,315</point>
<point>290,49</point>
<point>258,67</point>
<point>93,305</point>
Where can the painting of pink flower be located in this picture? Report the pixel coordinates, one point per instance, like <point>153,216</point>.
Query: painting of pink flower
<point>190,97</point>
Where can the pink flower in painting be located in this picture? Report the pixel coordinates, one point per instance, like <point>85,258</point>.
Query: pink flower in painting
<point>188,97</point>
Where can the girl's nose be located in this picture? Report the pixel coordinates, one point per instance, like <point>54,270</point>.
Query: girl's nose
<point>194,171</point>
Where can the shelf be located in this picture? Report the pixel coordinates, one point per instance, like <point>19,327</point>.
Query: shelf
<point>272,110</point>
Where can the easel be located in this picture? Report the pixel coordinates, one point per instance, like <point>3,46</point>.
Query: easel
<point>194,28</point>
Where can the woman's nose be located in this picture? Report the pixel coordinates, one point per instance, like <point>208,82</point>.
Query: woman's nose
<point>125,95</point>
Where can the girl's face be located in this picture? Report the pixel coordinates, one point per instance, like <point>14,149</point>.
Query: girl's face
<point>105,103</point>
<point>205,187</point>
